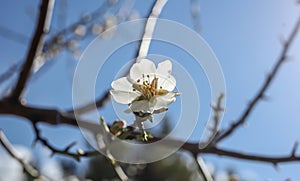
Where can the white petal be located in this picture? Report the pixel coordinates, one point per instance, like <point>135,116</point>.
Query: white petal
<point>166,82</point>
<point>122,84</point>
<point>144,106</point>
<point>164,100</point>
<point>123,97</point>
<point>145,67</point>
<point>164,68</point>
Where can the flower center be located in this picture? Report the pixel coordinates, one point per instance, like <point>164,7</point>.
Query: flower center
<point>148,88</point>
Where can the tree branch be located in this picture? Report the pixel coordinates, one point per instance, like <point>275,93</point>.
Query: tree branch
<point>261,93</point>
<point>55,117</point>
<point>202,168</point>
<point>214,128</point>
<point>253,157</point>
<point>213,149</point>
<point>80,153</point>
<point>49,116</point>
<point>35,47</point>
<point>103,144</point>
<point>29,169</point>
<point>149,29</point>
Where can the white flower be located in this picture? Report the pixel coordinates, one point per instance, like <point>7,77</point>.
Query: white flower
<point>146,89</point>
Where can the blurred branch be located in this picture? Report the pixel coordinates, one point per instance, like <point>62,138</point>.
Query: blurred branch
<point>51,45</point>
<point>214,129</point>
<point>202,168</point>
<point>90,106</point>
<point>261,93</point>
<point>149,29</point>
<point>68,38</point>
<point>84,20</point>
<point>62,13</point>
<point>9,72</point>
<point>35,46</point>
<point>29,169</point>
<point>195,12</point>
<point>103,144</point>
<point>12,35</point>
<point>55,39</point>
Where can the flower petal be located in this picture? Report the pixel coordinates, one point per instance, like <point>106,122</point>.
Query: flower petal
<point>164,100</point>
<point>122,84</point>
<point>165,79</point>
<point>166,82</point>
<point>145,67</point>
<point>123,97</point>
<point>164,68</point>
<point>143,106</point>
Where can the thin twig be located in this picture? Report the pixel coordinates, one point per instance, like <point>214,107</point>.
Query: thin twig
<point>13,35</point>
<point>9,72</point>
<point>103,144</point>
<point>214,129</point>
<point>35,46</point>
<point>66,151</point>
<point>149,29</point>
<point>261,93</point>
<point>29,169</point>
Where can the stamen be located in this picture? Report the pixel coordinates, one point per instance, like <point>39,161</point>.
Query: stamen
<point>148,88</point>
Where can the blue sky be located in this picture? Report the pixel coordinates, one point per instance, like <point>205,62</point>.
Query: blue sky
<point>244,35</point>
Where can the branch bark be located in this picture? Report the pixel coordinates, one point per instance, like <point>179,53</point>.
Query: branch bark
<point>275,160</point>
<point>50,116</point>
<point>35,47</point>
<point>149,29</point>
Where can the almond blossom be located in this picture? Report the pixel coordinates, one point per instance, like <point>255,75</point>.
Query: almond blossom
<point>147,89</point>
